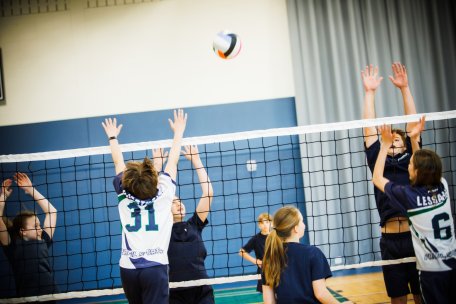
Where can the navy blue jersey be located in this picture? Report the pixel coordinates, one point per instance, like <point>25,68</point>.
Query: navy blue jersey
<point>396,170</point>
<point>186,251</point>
<point>31,267</point>
<point>256,243</point>
<point>305,264</point>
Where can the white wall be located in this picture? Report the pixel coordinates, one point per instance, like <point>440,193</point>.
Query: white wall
<point>86,62</point>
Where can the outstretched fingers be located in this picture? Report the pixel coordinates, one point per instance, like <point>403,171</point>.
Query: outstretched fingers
<point>376,71</point>
<point>160,153</point>
<point>7,183</point>
<point>385,132</point>
<point>190,151</point>
<point>416,131</point>
<point>370,78</point>
<point>22,180</point>
<point>398,68</point>
<point>110,127</point>
<point>180,120</point>
<point>6,189</point>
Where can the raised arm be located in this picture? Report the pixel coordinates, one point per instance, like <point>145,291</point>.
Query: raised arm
<point>387,139</point>
<point>178,127</point>
<point>415,133</point>
<point>112,131</point>
<point>371,82</point>
<point>159,157</point>
<point>5,192</point>
<point>204,206</point>
<point>50,220</point>
<point>400,80</point>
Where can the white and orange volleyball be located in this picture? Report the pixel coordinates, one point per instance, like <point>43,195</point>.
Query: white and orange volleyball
<point>227,45</point>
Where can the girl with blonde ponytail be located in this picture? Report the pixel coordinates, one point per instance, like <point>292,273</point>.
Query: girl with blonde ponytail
<point>293,272</point>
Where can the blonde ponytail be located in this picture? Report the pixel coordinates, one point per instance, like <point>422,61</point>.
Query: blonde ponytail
<point>275,260</point>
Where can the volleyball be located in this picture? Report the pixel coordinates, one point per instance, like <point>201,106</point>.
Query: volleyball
<point>227,45</point>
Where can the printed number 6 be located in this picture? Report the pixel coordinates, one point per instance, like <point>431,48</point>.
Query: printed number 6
<point>438,229</point>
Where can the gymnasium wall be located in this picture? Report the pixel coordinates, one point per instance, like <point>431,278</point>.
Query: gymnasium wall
<point>86,58</point>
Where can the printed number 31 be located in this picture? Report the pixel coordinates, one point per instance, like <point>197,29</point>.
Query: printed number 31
<point>136,214</point>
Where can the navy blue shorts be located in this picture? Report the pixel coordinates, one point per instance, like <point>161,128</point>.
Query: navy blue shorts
<point>193,295</point>
<point>260,282</point>
<point>438,287</point>
<point>259,286</point>
<point>400,279</point>
<point>146,285</point>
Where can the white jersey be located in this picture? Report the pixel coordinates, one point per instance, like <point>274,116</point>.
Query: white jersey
<point>433,231</point>
<point>431,224</point>
<point>146,226</point>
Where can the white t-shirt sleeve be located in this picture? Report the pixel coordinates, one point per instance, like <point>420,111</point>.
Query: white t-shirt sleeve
<point>166,191</point>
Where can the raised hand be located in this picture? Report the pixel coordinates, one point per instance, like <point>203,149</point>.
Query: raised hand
<point>415,132</point>
<point>112,131</point>
<point>159,157</point>
<point>387,136</point>
<point>6,189</point>
<point>371,81</point>
<point>24,182</point>
<point>180,121</point>
<point>178,127</point>
<point>111,128</point>
<point>399,78</point>
<point>190,152</point>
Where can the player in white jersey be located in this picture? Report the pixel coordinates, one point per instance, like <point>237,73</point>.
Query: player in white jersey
<point>427,203</point>
<point>145,199</point>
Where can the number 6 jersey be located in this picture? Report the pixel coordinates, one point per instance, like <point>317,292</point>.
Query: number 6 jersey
<point>146,224</point>
<point>431,223</point>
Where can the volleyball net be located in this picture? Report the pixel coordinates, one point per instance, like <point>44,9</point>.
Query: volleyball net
<point>321,169</point>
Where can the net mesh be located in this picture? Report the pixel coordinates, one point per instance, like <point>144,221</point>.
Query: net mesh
<point>321,169</point>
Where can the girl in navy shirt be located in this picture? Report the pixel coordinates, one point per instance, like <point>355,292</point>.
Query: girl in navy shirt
<point>396,241</point>
<point>256,243</point>
<point>293,272</point>
<point>186,248</point>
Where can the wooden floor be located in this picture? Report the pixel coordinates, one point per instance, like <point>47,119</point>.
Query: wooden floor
<point>366,288</point>
<point>362,288</point>
<point>359,288</point>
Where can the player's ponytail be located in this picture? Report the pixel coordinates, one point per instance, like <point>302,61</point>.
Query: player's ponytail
<point>274,260</point>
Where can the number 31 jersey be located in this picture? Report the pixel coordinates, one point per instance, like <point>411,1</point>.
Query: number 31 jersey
<point>431,223</point>
<point>146,224</point>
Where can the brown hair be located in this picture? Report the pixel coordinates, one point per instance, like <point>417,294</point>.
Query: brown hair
<point>274,260</point>
<point>428,168</point>
<point>401,133</point>
<point>264,217</point>
<point>15,226</point>
<point>140,179</point>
